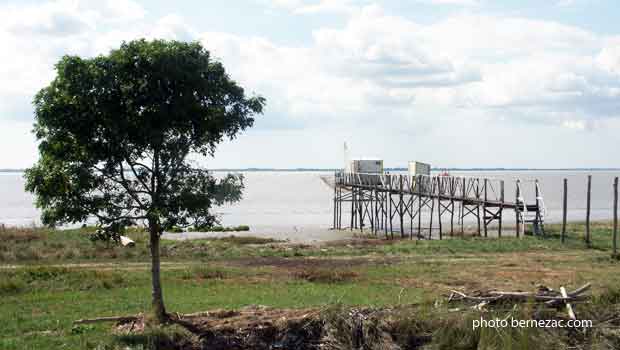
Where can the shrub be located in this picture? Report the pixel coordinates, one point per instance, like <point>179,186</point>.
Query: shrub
<point>11,286</point>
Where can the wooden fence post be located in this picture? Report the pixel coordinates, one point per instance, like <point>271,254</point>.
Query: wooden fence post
<point>615,243</point>
<point>588,198</point>
<point>517,195</point>
<point>564,207</point>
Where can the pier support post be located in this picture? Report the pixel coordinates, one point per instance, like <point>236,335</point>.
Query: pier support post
<point>462,209</point>
<point>430,225</point>
<point>501,207</point>
<point>335,202</point>
<point>400,206</point>
<point>439,206</point>
<point>484,208</point>
<point>478,204</point>
<point>588,198</point>
<point>517,207</point>
<point>419,186</point>
<point>615,235</point>
<point>390,206</point>
<point>564,208</point>
<point>352,207</point>
<point>452,194</point>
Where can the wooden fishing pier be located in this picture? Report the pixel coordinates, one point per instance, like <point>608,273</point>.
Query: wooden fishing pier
<point>399,202</point>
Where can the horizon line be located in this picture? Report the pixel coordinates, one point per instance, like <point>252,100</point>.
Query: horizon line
<point>14,170</point>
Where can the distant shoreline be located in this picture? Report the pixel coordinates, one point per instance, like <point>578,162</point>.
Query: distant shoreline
<point>386,169</point>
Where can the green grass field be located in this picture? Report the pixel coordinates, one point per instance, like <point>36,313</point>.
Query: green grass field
<point>50,278</point>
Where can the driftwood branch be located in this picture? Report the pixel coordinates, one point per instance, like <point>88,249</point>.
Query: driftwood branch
<point>576,293</point>
<point>549,297</point>
<point>131,318</point>
<point>569,308</point>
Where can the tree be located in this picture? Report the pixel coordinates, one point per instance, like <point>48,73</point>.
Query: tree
<point>117,133</point>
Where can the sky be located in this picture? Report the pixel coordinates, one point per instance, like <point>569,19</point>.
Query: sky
<point>454,83</point>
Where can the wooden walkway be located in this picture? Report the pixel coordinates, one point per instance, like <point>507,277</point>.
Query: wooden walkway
<point>381,202</point>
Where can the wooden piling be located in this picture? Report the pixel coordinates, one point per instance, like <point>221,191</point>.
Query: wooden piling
<point>462,209</point>
<point>430,225</point>
<point>564,209</point>
<point>340,208</point>
<point>484,208</point>
<point>615,235</point>
<point>390,206</point>
<point>400,207</point>
<point>439,208</point>
<point>478,204</point>
<point>411,189</point>
<point>501,207</point>
<point>517,209</point>
<point>419,186</point>
<point>335,205</point>
<point>588,198</point>
<point>538,229</point>
<point>452,194</point>
<point>352,208</point>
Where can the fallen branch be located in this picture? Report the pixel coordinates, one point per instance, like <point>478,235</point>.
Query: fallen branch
<point>550,297</point>
<point>123,319</point>
<point>569,308</point>
<point>576,293</point>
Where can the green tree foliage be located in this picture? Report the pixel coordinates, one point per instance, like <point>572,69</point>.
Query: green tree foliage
<point>116,133</point>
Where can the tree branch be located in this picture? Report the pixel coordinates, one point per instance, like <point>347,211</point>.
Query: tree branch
<point>135,173</point>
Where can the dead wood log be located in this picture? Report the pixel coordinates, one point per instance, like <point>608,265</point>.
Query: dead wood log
<point>131,318</point>
<point>575,293</point>
<point>551,298</point>
<point>580,290</point>
<point>569,308</point>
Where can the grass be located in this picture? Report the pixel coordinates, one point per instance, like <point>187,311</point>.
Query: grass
<point>240,228</point>
<point>41,245</point>
<point>42,293</point>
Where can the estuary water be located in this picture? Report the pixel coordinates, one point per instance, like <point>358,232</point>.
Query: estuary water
<point>297,205</point>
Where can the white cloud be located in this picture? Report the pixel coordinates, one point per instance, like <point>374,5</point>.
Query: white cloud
<point>537,71</point>
<point>312,7</point>
<point>376,70</point>
<point>453,2</point>
<point>122,10</point>
<point>574,124</point>
<point>327,6</point>
<point>374,62</point>
<point>172,27</point>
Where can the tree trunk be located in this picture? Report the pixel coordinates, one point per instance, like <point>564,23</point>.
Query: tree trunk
<point>159,309</point>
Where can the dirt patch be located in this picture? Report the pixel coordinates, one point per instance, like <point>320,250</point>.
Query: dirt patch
<point>360,242</point>
<point>326,275</point>
<point>309,262</point>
